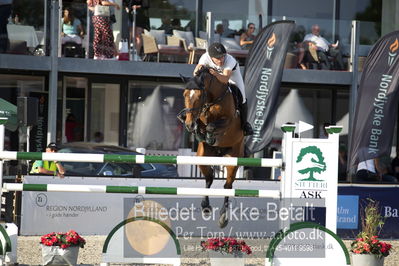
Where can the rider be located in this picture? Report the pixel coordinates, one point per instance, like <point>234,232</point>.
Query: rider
<point>226,69</point>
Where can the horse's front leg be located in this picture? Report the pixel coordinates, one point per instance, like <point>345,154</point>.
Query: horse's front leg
<point>207,171</point>
<point>231,173</point>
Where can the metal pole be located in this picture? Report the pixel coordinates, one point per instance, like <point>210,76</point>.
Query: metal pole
<point>2,131</point>
<point>353,92</point>
<point>53,79</point>
<point>333,20</point>
<point>134,51</point>
<point>209,27</point>
<point>198,16</point>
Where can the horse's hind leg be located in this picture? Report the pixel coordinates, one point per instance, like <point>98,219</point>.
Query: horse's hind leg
<point>207,171</point>
<point>231,173</point>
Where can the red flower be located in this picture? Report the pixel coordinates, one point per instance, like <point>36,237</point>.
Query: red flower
<point>63,240</point>
<point>226,245</point>
<point>370,245</point>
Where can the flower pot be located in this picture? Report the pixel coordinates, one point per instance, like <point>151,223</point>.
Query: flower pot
<point>223,259</point>
<point>54,255</point>
<point>366,260</point>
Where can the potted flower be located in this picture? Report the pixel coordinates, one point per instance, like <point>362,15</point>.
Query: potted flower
<point>227,250</point>
<point>61,248</point>
<point>367,249</point>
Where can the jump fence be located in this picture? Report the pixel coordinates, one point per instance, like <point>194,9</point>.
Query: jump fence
<point>179,160</point>
<point>143,190</point>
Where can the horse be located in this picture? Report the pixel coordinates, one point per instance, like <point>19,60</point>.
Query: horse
<point>210,114</point>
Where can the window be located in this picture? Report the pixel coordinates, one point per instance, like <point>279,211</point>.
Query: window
<point>152,112</point>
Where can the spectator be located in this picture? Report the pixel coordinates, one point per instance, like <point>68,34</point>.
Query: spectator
<point>376,169</point>
<point>227,31</point>
<point>323,49</point>
<point>383,165</point>
<point>176,24</point>
<point>366,171</point>
<point>248,37</point>
<point>166,25</point>
<point>297,45</point>
<point>70,126</point>
<point>98,137</point>
<point>219,29</point>
<point>48,168</point>
<point>5,12</point>
<point>72,30</point>
<point>142,19</point>
<point>103,43</point>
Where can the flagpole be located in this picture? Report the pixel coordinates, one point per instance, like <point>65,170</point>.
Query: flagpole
<point>353,91</point>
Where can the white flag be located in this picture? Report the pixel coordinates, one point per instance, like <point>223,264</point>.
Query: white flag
<point>302,127</point>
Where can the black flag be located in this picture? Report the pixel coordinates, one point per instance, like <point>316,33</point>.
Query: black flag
<point>377,102</point>
<point>262,78</point>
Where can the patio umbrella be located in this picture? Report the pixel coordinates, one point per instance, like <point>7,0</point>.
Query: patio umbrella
<point>9,111</point>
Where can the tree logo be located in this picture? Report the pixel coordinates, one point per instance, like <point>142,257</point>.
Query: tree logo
<point>313,162</point>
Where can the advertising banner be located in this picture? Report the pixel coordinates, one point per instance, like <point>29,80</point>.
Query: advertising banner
<point>38,134</point>
<point>44,212</point>
<point>262,78</point>
<point>377,102</point>
<point>349,216</point>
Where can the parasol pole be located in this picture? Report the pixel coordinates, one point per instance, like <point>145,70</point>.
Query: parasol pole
<point>134,52</point>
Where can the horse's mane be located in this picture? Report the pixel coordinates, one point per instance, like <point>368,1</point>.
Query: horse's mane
<point>204,69</point>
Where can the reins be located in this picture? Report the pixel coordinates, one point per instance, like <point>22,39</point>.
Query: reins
<point>204,107</point>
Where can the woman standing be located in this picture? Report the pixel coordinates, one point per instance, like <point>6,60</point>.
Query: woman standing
<point>103,43</point>
<point>142,20</point>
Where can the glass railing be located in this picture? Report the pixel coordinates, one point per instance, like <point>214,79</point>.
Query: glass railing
<point>27,33</point>
<point>26,27</point>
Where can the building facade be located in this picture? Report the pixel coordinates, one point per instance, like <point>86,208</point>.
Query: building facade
<point>135,103</point>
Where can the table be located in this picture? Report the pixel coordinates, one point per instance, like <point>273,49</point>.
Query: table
<point>23,33</point>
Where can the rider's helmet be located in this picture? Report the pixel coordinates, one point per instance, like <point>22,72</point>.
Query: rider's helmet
<point>216,50</point>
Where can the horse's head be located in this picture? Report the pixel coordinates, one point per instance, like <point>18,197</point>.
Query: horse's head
<point>194,99</point>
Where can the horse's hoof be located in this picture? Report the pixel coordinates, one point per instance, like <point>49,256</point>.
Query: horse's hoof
<point>207,211</point>
<point>222,211</point>
<point>204,204</point>
<point>223,221</point>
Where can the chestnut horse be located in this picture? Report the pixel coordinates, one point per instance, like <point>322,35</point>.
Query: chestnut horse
<point>210,114</point>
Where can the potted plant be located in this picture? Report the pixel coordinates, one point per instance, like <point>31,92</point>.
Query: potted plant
<point>367,249</point>
<point>226,250</point>
<point>61,248</point>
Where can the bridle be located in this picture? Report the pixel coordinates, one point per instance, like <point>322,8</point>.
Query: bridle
<point>204,106</point>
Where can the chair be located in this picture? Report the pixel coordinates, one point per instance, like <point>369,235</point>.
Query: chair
<point>18,47</point>
<point>72,49</point>
<point>151,48</point>
<point>290,60</point>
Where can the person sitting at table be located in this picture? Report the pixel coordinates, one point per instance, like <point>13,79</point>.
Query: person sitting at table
<point>320,49</point>
<point>248,37</point>
<point>72,30</point>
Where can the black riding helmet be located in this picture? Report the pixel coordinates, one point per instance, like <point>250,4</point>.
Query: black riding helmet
<point>216,50</point>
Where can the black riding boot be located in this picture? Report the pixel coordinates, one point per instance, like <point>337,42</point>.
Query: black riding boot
<point>244,123</point>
